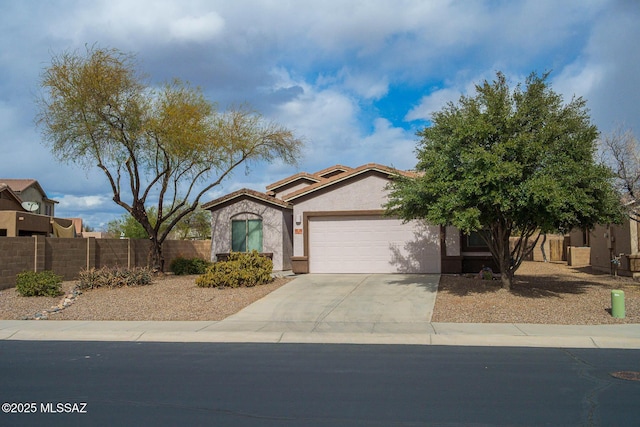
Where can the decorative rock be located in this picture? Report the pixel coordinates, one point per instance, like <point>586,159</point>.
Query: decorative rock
<point>66,301</point>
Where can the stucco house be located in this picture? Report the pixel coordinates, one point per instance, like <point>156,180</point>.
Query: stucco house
<point>333,221</point>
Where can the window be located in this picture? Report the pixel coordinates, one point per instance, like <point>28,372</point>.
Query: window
<point>246,235</point>
<point>474,241</point>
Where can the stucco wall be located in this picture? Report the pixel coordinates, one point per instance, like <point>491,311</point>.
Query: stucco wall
<point>609,241</point>
<point>364,193</point>
<point>274,231</point>
<point>452,241</point>
<point>290,189</point>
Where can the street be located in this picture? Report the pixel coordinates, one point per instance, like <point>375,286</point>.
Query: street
<point>168,384</point>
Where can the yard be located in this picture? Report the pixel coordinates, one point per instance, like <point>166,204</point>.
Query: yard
<point>549,293</point>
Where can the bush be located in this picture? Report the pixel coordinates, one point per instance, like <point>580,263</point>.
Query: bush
<point>181,265</point>
<point>114,277</point>
<point>241,269</point>
<point>36,284</point>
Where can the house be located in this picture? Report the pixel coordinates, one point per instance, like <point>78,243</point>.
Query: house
<point>333,221</point>
<point>25,210</point>
<point>30,192</point>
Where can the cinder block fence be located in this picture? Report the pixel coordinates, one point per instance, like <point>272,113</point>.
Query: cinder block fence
<point>67,257</point>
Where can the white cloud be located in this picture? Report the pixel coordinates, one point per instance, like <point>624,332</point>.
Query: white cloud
<point>367,86</point>
<point>197,28</point>
<point>70,202</point>
<point>392,146</point>
<point>606,72</point>
<point>451,92</point>
<point>433,102</point>
<point>135,23</point>
<point>579,79</point>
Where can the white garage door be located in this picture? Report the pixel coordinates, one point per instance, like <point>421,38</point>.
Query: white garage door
<point>372,244</point>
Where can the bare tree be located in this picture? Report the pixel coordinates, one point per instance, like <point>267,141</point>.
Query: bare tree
<point>620,150</point>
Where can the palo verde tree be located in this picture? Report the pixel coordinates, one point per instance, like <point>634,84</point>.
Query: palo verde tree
<point>509,163</point>
<point>163,146</point>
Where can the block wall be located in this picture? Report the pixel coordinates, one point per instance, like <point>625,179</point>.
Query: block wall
<point>67,257</point>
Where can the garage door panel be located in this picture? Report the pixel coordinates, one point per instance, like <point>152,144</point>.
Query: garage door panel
<point>372,244</point>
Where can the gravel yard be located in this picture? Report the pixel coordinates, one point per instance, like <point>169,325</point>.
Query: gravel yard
<point>549,293</point>
<point>167,298</point>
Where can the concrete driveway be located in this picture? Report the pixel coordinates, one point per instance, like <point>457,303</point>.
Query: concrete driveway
<point>371,303</point>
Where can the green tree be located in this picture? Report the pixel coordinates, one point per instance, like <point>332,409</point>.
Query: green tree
<point>163,147</point>
<point>196,225</point>
<point>128,225</point>
<point>512,163</point>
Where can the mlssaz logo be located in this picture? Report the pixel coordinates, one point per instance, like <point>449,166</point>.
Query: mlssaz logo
<point>63,408</point>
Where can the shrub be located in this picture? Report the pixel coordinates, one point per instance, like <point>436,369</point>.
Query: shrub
<point>36,284</point>
<point>181,265</point>
<point>114,277</point>
<point>241,269</point>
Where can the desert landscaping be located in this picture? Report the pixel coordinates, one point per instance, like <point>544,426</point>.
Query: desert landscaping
<point>544,293</point>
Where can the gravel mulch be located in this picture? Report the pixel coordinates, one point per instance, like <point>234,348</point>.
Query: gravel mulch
<point>549,293</point>
<point>167,298</point>
<point>544,293</point>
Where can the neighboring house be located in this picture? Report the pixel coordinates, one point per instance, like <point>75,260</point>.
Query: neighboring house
<point>25,210</point>
<point>333,221</point>
<point>607,245</point>
<point>30,191</point>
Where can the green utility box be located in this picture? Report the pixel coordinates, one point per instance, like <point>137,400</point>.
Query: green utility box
<point>617,303</point>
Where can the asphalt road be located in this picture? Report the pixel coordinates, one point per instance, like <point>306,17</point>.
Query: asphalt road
<point>173,384</point>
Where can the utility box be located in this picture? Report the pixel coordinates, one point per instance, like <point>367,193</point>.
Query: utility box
<point>617,304</point>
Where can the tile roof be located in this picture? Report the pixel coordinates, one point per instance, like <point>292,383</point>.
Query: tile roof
<point>19,185</point>
<point>293,178</point>
<point>319,183</point>
<point>246,192</point>
<point>347,175</point>
<point>331,169</point>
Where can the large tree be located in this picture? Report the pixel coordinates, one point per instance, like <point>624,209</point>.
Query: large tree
<point>157,146</point>
<point>509,163</point>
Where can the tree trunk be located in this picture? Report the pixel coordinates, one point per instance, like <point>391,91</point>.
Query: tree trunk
<point>156,260</point>
<point>507,280</point>
<point>506,274</point>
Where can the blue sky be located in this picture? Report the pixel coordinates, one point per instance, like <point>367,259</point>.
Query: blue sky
<point>355,79</point>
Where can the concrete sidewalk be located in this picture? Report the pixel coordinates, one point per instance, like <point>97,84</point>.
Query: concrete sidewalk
<point>459,334</point>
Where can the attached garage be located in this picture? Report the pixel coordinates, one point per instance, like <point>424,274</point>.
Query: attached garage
<point>371,244</point>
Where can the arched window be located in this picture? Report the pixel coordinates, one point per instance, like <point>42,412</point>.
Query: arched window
<point>246,235</point>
